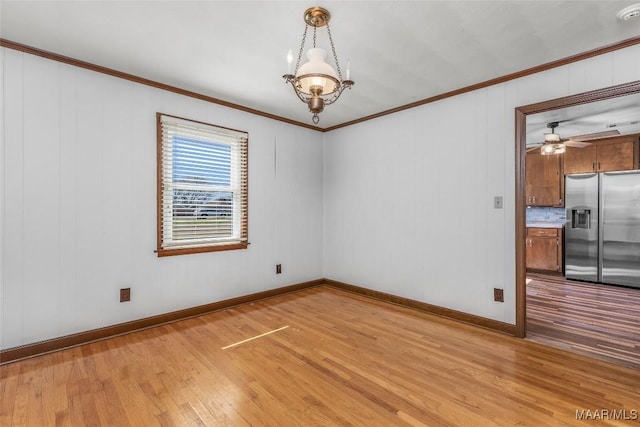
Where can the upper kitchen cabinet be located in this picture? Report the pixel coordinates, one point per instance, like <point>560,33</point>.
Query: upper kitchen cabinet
<point>603,155</point>
<point>544,179</point>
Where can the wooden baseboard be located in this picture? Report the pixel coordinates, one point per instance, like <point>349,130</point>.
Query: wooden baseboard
<point>428,308</point>
<point>55,344</point>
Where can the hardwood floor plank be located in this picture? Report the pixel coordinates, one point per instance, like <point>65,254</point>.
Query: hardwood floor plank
<point>596,320</point>
<point>345,360</point>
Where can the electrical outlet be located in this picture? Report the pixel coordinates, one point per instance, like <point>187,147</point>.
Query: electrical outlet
<point>498,295</point>
<point>125,294</point>
<point>278,268</point>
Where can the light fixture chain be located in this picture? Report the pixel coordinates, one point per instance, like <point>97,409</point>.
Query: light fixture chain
<point>304,37</point>
<point>333,49</point>
<point>315,30</point>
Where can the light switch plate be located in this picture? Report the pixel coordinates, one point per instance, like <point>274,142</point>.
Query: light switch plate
<point>497,202</point>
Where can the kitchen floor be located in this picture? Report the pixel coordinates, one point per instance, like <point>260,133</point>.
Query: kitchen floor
<point>599,321</point>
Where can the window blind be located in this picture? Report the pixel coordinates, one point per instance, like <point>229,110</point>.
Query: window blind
<point>203,186</point>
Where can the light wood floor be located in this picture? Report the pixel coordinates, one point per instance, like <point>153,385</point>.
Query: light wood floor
<point>343,360</point>
<point>596,320</point>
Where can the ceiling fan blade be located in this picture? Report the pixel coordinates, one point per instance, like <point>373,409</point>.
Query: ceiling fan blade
<point>577,144</point>
<point>578,141</point>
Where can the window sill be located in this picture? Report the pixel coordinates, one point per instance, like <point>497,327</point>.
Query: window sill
<point>185,251</point>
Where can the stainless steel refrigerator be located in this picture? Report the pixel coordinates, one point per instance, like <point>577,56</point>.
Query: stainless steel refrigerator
<point>602,232</point>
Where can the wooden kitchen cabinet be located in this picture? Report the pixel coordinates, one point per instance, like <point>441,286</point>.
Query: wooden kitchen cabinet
<point>544,179</point>
<point>544,249</point>
<point>603,155</point>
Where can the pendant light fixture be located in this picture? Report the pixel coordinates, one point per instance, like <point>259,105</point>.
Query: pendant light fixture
<point>316,83</point>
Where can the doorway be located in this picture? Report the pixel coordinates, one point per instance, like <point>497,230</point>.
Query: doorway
<point>521,114</point>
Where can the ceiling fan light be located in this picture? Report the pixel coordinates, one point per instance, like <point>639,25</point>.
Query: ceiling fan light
<point>550,149</point>
<point>546,149</point>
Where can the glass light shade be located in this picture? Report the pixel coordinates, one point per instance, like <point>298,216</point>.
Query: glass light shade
<point>316,73</point>
<point>548,149</point>
<point>551,137</point>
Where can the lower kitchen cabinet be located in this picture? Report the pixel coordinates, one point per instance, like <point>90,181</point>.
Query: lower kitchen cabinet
<point>544,249</point>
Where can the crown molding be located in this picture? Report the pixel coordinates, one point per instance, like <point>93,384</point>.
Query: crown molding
<point>533,70</point>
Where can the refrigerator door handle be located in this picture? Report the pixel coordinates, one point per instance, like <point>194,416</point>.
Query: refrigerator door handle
<point>600,227</point>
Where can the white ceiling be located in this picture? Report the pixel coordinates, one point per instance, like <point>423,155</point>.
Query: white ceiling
<point>400,51</point>
<point>618,114</point>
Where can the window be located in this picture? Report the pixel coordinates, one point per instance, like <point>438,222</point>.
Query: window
<point>202,187</point>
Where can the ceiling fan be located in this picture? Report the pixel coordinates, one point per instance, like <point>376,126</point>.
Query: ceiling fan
<point>554,144</point>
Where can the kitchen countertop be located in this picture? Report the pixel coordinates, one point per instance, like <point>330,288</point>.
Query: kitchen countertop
<point>545,224</point>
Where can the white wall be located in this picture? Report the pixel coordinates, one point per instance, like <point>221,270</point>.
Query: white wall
<point>78,204</point>
<point>408,197</point>
<point>400,204</point>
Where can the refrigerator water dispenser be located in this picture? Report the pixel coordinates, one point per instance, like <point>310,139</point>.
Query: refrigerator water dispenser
<point>581,218</point>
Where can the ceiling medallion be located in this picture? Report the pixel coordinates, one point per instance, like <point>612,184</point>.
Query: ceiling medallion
<point>316,83</point>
